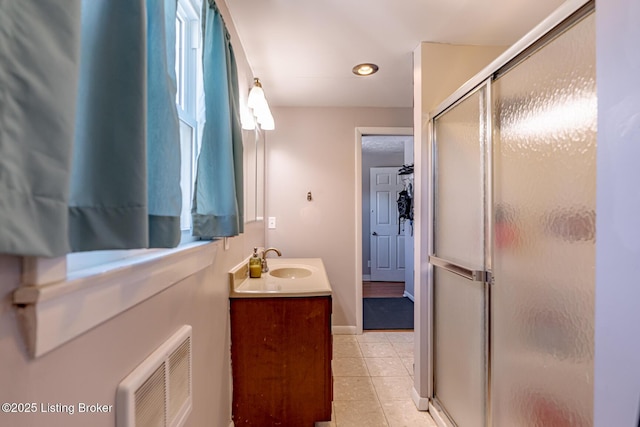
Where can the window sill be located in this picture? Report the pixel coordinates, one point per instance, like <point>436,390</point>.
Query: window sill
<point>52,314</point>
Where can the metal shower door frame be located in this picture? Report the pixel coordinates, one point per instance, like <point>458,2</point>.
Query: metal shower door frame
<point>569,9</point>
<point>482,275</point>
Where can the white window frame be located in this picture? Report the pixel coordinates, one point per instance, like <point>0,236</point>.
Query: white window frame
<point>189,81</point>
<point>61,298</point>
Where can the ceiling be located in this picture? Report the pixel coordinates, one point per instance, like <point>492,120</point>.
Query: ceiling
<point>303,51</point>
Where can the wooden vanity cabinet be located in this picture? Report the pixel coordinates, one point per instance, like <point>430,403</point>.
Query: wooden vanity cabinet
<point>281,361</point>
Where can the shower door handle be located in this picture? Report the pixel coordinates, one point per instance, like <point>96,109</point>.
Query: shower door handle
<point>467,273</point>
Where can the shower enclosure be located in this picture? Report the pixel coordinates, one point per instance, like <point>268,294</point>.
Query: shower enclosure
<point>513,229</point>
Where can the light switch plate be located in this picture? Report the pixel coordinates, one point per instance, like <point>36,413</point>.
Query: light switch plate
<point>272,222</point>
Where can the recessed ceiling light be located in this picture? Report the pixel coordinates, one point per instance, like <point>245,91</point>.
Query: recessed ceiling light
<point>365,69</point>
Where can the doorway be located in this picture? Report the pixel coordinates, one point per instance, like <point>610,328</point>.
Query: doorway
<point>361,269</point>
<point>387,238</point>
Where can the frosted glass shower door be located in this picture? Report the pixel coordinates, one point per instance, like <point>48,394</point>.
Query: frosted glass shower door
<point>542,309</point>
<point>459,261</point>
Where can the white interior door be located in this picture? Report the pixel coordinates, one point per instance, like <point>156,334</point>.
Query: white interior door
<point>387,243</point>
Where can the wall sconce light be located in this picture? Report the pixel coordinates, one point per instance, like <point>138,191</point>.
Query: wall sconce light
<point>257,103</point>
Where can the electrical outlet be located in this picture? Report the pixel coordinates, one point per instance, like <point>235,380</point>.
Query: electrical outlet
<point>369,263</point>
<point>272,222</point>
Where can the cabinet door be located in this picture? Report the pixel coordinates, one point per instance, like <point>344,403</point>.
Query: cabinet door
<point>281,361</point>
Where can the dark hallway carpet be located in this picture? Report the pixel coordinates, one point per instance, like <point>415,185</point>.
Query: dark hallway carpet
<point>387,313</point>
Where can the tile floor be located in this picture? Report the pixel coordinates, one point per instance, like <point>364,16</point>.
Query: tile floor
<point>373,377</point>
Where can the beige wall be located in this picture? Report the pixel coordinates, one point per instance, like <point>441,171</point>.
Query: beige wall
<point>313,149</point>
<point>446,67</point>
<point>89,368</point>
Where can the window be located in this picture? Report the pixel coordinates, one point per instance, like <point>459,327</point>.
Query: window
<point>189,96</point>
<point>188,77</point>
<point>96,286</point>
<point>180,55</point>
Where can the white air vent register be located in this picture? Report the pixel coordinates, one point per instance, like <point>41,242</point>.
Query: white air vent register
<point>158,392</point>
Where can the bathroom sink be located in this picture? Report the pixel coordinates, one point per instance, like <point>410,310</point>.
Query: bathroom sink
<point>287,277</point>
<point>290,272</point>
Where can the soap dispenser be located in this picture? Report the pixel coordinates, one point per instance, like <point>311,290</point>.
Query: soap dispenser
<point>255,265</point>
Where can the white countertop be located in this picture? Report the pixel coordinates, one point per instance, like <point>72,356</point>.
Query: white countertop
<point>270,286</point>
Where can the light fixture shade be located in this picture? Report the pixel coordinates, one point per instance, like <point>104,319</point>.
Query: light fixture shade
<point>266,122</point>
<point>247,119</point>
<point>256,97</point>
<point>258,103</point>
<point>262,110</point>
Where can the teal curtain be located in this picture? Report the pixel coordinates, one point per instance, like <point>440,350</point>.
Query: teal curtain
<point>163,127</point>
<point>125,180</point>
<point>39,53</point>
<point>218,202</point>
<point>90,150</point>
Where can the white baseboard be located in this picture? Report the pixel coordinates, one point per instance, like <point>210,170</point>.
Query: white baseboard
<point>344,330</point>
<point>408,295</point>
<point>422,403</point>
<point>366,277</point>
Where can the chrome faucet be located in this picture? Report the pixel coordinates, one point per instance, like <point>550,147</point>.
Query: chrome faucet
<point>265,267</point>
